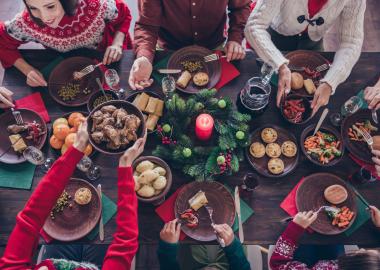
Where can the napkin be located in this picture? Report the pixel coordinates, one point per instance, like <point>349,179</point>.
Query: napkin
<point>35,103</point>
<point>289,203</point>
<point>19,176</point>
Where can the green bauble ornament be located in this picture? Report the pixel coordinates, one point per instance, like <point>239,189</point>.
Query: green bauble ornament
<point>199,106</point>
<point>240,135</point>
<point>166,128</point>
<point>222,104</point>
<point>186,152</point>
<point>221,160</point>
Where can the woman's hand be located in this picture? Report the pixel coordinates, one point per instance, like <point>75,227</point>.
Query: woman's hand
<point>81,138</point>
<point>139,77</point>
<point>225,232</point>
<point>376,160</point>
<point>375,215</point>
<point>170,232</point>
<point>133,152</point>
<point>234,51</point>
<point>321,97</point>
<point>6,100</point>
<point>305,219</point>
<point>113,54</point>
<point>34,78</point>
<point>372,96</point>
<point>284,78</point>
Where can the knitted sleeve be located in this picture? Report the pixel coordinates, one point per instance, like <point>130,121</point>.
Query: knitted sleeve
<point>124,245</point>
<point>239,12</point>
<point>257,35</point>
<point>351,40</point>
<point>236,257</point>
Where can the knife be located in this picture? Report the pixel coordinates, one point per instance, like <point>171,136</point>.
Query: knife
<point>238,212</point>
<point>169,71</point>
<point>101,225</point>
<point>321,119</point>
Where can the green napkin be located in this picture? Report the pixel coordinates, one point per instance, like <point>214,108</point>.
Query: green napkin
<point>246,211</point>
<point>163,63</point>
<point>109,209</point>
<point>18,176</point>
<point>49,67</point>
<point>362,217</point>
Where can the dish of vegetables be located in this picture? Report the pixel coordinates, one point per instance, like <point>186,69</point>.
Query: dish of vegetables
<point>354,132</point>
<point>341,217</point>
<point>323,147</point>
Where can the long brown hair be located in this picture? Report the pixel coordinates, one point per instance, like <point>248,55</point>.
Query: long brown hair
<point>69,6</point>
<point>362,260</point>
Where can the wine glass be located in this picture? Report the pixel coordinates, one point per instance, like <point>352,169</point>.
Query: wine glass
<point>113,81</point>
<point>93,173</point>
<point>85,164</point>
<point>363,176</point>
<point>336,119</point>
<point>352,105</point>
<point>168,85</point>
<point>250,182</point>
<point>48,164</point>
<point>34,155</point>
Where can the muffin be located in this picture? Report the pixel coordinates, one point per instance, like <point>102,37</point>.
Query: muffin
<point>257,150</point>
<point>200,79</point>
<point>269,135</point>
<point>82,196</point>
<point>335,194</point>
<point>276,166</point>
<point>289,149</point>
<point>273,150</point>
<point>296,81</point>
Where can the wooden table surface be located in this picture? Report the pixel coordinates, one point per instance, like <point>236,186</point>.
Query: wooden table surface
<point>265,226</point>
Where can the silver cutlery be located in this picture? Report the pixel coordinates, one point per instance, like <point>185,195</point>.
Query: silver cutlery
<point>374,116</point>
<point>85,71</point>
<point>238,212</point>
<point>17,116</point>
<point>210,211</point>
<point>101,225</point>
<point>318,68</point>
<point>321,119</point>
<point>213,57</point>
<point>101,86</point>
<point>169,71</point>
<point>366,136</point>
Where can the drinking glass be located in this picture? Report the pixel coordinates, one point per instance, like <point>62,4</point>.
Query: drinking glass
<point>255,94</point>
<point>168,85</point>
<point>352,105</point>
<point>363,176</point>
<point>250,182</point>
<point>48,164</point>
<point>336,119</point>
<point>113,81</point>
<point>93,173</point>
<point>85,164</point>
<point>34,155</point>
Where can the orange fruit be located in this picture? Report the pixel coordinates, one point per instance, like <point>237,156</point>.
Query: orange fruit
<point>69,140</point>
<point>73,116</point>
<point>64,149</point>
<point>77,121</point>
<point>60,121</point>
<point>61,131</point>
<point>88,150</point>
<point>55,143</point>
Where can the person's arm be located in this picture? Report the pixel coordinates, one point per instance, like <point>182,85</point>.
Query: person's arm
<point>257,35</point>
<point>6,100</point>
<point>372,96</point>
<point>239,11</point>
<point>168,245</point>
<point>124,245</point>
<point>23,240</point>
<point>351,41</point>
<point>236,257</point>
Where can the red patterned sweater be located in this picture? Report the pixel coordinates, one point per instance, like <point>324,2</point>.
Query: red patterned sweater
<point>23,240</point>
<point>93,26</point>
<point>282,257</point>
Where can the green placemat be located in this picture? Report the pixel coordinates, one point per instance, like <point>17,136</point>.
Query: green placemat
<point>163,63</point>
<point>18,176</point>
<point>362,217</point>
<point>246,211</point>
<point>49,67</point>
<point>109,209</point>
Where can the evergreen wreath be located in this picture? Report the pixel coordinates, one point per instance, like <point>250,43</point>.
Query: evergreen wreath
<point>203,161</point>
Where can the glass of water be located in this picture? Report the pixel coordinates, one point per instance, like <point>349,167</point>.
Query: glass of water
<point>84,164</point>
<point>255,94</point>
<point>352,105</point>
<point>113,81</point>
<point>34,155</point>
<point>168,85</point>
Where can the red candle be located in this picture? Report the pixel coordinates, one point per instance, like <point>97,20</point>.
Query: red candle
<point>204,126</point>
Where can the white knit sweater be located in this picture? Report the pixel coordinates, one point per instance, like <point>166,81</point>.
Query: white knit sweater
<point>282,16</point>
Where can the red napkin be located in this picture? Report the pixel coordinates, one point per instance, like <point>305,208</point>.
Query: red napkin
<point>362,163</point>
<point>166,210</point>
<point>228,72</point>
<point>47,238</point>
<point>103,68</point>
<point>35,103</point>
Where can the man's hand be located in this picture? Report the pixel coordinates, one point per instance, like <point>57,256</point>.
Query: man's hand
<point>139,77</point>
<point>321,97</point>
<point>284,79</point>
<point>234,51</point>
<point>170,232</point>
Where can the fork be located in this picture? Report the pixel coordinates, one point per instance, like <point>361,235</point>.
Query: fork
<point>213,57</point>
<point>367,137</point>
<point>318,68</point>
<point>85,71</point>
<point>210,211</point>
<point>17,116</point>
<point>374,116</point>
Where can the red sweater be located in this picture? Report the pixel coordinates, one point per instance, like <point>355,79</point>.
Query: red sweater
<point>23,241</point>
<point>93,26</point>
<point>282,257</point>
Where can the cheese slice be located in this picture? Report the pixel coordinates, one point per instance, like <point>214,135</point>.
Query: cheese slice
<point>198,200</point>
<point>17,142</point>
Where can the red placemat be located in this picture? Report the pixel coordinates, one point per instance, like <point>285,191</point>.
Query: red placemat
<point>166,210</point>
<point>35,103</point>
<point>228,73</point>
<point>362,163</point>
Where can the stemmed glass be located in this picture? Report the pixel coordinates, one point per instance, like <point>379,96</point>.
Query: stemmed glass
<point>352,105</point>
<point>168,85</point>
<point>87,166</point>
<point>113,81</point>
<point>36,157</point>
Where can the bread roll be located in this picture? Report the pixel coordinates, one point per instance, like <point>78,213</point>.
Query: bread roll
<point>144,166</point>
<point>296,81</point>
<point>335,194</point>
<point>151,122</point>
<point>151,106</point>
<point>159,108</point>
<point>160,182</point>
<point>146,191</point>
<point>310,86</point>
<point>142,101</point>
<point>147,177</point>
<point>160,170</point>
<point>184,79</point>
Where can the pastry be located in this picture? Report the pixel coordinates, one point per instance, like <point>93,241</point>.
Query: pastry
<point>310,86</point>
<point>184,79</point>
<point>276,165</point>
<point>146,191</point>
<point>142,101</point>
<point>151,106</point>
<point>18,143</point>
<point>151,122</point>
<point>144,166</point>
<point>147,177</point>
<point>82,196</point>
<point>257,150</point>
<point>160,170</point>
<point>269,135</point>
<point>296,81</point>
<point>335,194</point>
<point>289,149</point>
<point>160,182</point>
<point>198,200</point>
<point>159,108</point>
<point>273,150</point>
<point>200,79</point>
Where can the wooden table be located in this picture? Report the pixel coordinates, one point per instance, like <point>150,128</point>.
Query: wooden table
<point>265,226</point>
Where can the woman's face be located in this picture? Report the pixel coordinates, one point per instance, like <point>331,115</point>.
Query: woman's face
<point>50,12</point>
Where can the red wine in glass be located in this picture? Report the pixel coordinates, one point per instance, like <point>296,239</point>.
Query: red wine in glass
<point>363,176</point>
<point>250,182</point>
